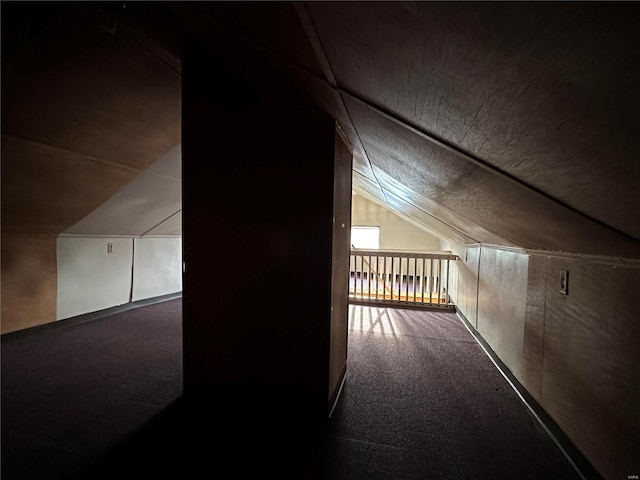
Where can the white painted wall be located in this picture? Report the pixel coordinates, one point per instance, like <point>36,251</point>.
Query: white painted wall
<point>89,278</point>
<point>464,280</point>
<point>157,267</point>
<point>502,300</point>
<point>395,232</point>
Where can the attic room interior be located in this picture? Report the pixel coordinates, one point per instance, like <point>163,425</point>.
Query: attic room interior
<point>166,158</point>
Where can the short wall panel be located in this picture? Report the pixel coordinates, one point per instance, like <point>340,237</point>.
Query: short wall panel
<point>533,341</point>
<point>467,287</point>
<point>90,277</point>
<point>502,294</point>
<point>157,267</point>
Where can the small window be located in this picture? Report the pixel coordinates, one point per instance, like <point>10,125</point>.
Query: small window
<point>367,238</point>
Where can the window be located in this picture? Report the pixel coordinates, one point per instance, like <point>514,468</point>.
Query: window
<point>367,238</point>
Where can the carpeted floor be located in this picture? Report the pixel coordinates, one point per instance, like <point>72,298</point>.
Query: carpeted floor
<point>69,393</point>
<point>102,400</point>
<point>423,401</point>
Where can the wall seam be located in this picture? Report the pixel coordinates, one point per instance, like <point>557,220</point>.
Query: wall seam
<point>544,324</point>
<point>133,263</point>
<point>478,288</point>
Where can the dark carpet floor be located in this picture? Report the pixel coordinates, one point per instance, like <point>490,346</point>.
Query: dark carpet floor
<point>102,400</point>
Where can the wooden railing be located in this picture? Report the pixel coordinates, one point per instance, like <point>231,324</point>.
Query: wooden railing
<point>400,278</point>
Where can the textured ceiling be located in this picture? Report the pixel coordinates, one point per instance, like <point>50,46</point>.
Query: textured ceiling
<point>84,112</point>
<point>149,205</point>
<point>508,123</point>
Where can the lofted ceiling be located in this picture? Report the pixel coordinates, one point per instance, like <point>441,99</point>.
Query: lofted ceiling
<point>86,113</point>
<point>503,123</point>
<point>508,123</point>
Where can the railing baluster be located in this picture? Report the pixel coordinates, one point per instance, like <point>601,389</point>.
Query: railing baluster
<point>424,261</point>
<point>439,279</point>
<point>384,292</point>
<point>447,296</point>
<point>431,281</point>
<point>400,279</point>
<point>354,276</point>
<point>393,279</point>
<point>377,275</point>
<point>390,277</point>
<point>385,288</point>
<point>362,276</point>
<point>368,277</point>
<point>408,278</point>
<point>415,278</point>
<point>407,288</point>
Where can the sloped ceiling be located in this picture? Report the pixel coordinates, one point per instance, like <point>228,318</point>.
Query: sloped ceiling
<point>501,123</point>
<point>149,205</point>
<point>84,112</point>
<point>508,123</point>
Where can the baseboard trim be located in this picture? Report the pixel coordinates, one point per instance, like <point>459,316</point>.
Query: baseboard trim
<point>578,460</point>
<point>405,306</point>
<point>91,316</point>
<point>333,401</point>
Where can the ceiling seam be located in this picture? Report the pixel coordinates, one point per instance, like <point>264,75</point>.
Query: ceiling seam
<point>321,55</point>
<point>160,223</point>
<point>88,156</point>
<point>99,12</point>
<point>480,163</point>
<point>364,150</point>
<point>132,38</point>
<point>334,90</point>
<point>403,215</point>
<point>628,262</point>
<point>312,34</point>
<point>435,218</point>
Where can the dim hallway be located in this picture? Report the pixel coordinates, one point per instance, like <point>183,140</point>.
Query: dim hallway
<point>421,400</point>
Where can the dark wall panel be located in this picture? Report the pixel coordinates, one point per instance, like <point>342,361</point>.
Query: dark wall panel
<point>258,182</point>
<point>340,265</point>
<point>29,283</point>
<point>590,378</point>
<point>533,342</point>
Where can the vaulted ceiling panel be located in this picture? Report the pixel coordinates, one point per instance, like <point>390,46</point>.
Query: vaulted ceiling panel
<point>542,91</point>
<point>80,88</point>
<point>271,26</point>
<point>141,206</point>
<point>364,184</point>
<point>262,57</point>
<point>362,166</point>
<point>436,209</point>
<point>46,189</point>
<point>430,222</point>
<point>171,227</point>
<point>85,109</point>
<point>512,123</point>
<point>481,202</point>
